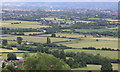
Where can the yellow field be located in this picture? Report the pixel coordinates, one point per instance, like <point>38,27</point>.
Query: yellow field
<point>84,21</point>
<point>23,24</point>
<point>111,20</point>
<point>27,33</point>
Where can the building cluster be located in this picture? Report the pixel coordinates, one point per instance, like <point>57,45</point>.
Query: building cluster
<point>18,63</point>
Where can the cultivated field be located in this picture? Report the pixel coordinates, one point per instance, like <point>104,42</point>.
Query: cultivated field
<point>27,33</point>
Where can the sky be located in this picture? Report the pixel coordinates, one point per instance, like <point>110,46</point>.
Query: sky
<point>59,0</point>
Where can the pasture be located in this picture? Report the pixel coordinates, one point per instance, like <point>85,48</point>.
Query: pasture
<point>92,43</point>
<point>7,50</point>
<point>110,54</point>
<point>79,42</point>
<point>94,30</point>
<point>95,67</point>
<point>23,24</point>
<point>4,55</point>
<point>35,39</point>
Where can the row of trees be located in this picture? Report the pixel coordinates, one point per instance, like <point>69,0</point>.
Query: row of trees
<point>5,42</point>
<point>81,59</point>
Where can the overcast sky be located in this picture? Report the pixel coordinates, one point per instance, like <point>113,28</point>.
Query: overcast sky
<point>59,0</point>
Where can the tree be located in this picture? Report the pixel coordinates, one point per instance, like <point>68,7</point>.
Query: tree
<point>4,42</point>
<point>25,55</point>
<point>19,40</point>
<point>97,40</point>
<point>11,56</point>
<point>11,68</point>
<point>106,66</point>
<point>40,48</point>
<point>56,53</point>
<point>62,55</point>
<point>48,40</point>
<point>43,61</point>
<point>53,35</point>
<point>3,64</point>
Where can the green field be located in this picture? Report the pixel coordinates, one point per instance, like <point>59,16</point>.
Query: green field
<point>89,41</point>
<point>110,54</point>
<point>94,30</point>
<point>35,38</point>
<point>96,67</point>
<point>4,55</point>
<point>92,43</point>
<point>23,24</point>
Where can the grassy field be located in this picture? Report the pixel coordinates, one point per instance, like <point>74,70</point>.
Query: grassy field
<point>110,54</point>
<point>4,55</point>
<point>79,42</point>
<point>96,67</point>
<point>7,50</point>
<point>92,43</point>
<point>23,24</point>
<point>94,30</point>
<point>51,18</point>
<point>35,39</point>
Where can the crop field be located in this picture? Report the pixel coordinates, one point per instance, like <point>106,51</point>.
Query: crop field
<point>23,24</point>
<point>84,21</point>
<point>110,54</point>
<point>111,20</point>
<point>27,33</point>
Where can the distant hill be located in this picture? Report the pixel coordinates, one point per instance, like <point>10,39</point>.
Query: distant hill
<point>104,5</point>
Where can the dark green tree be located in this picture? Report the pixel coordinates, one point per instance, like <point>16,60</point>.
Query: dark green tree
<point>11,68</point>
<point>19,40</point>
<point>48,40</point>
<point>4,42</point>
<point>53,35</point>
<point>25,55</point>
<point>62,55</point>
<point>3,64</point>
<point>106,66</point>
<point>11,56</point>
<point>45,62</point>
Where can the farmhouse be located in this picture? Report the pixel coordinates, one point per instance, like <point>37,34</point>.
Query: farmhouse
<point>20,59</point>
<point>42,30</point>
<point>29,43</point>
